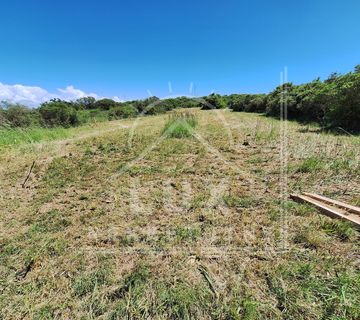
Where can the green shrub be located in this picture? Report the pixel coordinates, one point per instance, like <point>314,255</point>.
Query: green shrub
<point>342,229</point>
<point>85,103</point>
<point>58,113</point>
<point>105,104</point>
<point>236,102</point>
<point>343,108</point>
<point>213,101</point>
<point>19,116</point>
<point>143,106</point>
<point>311,164</point>
<point>124,111</point>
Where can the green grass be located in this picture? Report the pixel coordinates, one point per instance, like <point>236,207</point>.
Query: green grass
<point>22,136</point>
<point>311,164</point>
<point>180,125</point>
<point>87,284</point>
<point>187,234</point>
<point>239,202</point>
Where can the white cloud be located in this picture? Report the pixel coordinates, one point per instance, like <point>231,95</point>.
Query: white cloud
<point>71,93</point>
<point>117,99</point>
<point>33,96</point>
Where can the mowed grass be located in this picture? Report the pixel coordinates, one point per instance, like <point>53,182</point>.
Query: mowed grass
<point>124,224</point>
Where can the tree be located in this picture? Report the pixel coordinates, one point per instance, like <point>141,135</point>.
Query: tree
<point>145,105</point>
<point>20,116</point>
<point>214,101</point>
<point>105,104</point>
<point>333,77</point>
<point>236,102</point>
<point>85,103</point>
<point>57,112</point>
<point>124,111</point>
<point>343,107</point>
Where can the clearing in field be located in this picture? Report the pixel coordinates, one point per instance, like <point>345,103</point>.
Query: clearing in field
<point>179,216</point>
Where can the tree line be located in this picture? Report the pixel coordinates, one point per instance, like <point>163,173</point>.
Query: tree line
<point>332,103</point>
<point>56,112</point>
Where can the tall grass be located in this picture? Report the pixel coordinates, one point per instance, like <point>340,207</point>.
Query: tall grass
<point>180,125</point>
<point>16,136</point>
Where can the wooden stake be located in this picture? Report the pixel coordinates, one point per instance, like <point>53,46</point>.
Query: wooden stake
<point>27,177</point>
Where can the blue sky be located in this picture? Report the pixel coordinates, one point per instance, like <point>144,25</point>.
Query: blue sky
<point>125,48</point>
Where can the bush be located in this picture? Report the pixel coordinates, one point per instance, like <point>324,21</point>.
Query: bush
<point>85,103</point>
<point>214,101</point>
<point>334,102</point>
<point>343,109</point>
<point>165,105</point>
<point>3,121</point>
<point>143,106</point>
<point>20,116</point>
<point>92,115</point>
<point>124,111</point>
<point>58,113</point>
<point>236,102</point>
<point>255,103</point>
<point>105,104</point>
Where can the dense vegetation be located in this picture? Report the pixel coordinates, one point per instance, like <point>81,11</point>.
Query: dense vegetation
<point>333,103</point>
<point>60,113</point>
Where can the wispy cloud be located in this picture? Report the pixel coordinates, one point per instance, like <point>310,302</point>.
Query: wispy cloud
<point>33,96</point>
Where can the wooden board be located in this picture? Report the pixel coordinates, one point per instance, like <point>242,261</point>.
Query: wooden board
<point>340,204</point>
<point>327,209</point>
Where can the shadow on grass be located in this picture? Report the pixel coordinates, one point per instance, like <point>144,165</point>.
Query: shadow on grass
<point>311,126</point>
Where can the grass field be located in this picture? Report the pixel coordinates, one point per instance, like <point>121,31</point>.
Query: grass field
<point>158,219</point>
<point>10,137</point>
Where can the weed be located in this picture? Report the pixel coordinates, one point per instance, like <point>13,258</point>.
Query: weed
<point>44,313</point>
<point>308,238</point>
<point>126,241</point>
<point>239,202</point>
<point>89,283</point>
<point>132,281</point>
<point>59,173</point>
<point>342,229</point>
<point>51,221</point>
<point>311,164</point>
<point>268,135</point>
<point>187,234</point>
<point>342,165</point>
<point>180,125</point>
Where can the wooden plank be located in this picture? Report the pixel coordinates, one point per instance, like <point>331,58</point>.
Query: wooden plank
<point>340,204</point>
<point>328,210</point>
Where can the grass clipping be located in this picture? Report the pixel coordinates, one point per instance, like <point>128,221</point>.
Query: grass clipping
<point>180,125</point>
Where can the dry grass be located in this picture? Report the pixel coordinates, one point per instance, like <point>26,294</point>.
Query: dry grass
<point>190,229</point>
